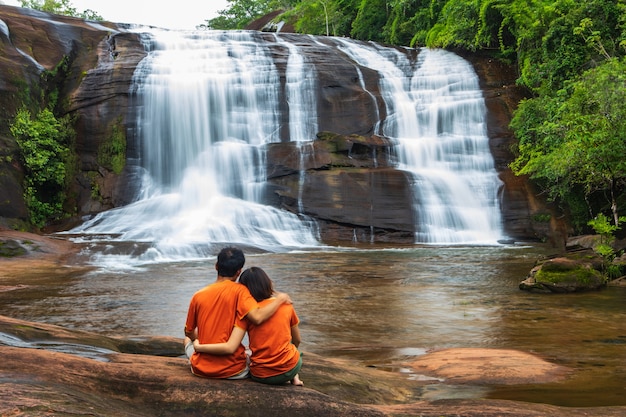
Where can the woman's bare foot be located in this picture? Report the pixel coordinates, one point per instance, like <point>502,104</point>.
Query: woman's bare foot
<point>297,381</point>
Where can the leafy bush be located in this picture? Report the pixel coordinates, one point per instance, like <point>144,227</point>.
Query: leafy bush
<point>45,152</point>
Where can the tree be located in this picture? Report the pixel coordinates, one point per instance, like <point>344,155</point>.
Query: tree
<point>62,7</point>
<point>321,17</point>
<point>578,138</point>
<point>370,20</point>
<point>239,14</point>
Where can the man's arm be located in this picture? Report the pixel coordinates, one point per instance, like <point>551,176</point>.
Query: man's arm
<point>259,315</point>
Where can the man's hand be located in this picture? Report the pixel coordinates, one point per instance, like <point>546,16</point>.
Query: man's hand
<point>259,315</point>
<point>283,297</point>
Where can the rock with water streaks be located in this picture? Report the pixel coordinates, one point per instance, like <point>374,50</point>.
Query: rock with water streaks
<point>90,66</point>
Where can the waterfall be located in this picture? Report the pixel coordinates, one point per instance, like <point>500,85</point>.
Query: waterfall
<point>209,101</point>
<point>302,105</point>
<point>456,182</point>
<point>436,113</point>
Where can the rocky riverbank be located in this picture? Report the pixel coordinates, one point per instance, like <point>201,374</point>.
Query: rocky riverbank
<point>145,377</point>
<point>50,370</point>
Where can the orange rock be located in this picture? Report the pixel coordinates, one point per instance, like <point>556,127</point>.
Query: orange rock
<point>489,366</point>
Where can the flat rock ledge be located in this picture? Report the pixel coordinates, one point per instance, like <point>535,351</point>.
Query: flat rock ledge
<point>489,367</point>
<point>105,376</point>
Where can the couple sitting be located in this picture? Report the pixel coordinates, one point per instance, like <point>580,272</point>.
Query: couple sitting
<point>221,313</point>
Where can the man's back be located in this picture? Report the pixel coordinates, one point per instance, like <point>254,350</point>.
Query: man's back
<point>213,311</point>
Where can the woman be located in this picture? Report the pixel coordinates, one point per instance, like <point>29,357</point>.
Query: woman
<point>275,358</point>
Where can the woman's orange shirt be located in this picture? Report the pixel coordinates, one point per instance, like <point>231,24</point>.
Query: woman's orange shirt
<point>272,351</point>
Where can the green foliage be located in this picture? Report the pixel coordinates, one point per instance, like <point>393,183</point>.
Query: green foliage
<point>576,138</point>
<point>542,218</point>
<point>112,153</point>
<point>370,20</point>
<point>322,17</point>
<point>62,7</point>
<point>240,13</point>
<point>44,145</point>
<point>457,26</point>
<point>603,226</point>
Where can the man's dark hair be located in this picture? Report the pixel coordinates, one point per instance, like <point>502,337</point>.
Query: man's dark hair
<point>229,261</point>
<point>257,281</point>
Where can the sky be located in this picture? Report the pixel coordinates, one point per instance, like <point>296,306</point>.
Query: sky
<point>176,14</point>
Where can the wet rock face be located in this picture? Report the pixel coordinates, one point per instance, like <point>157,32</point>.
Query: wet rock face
<point>349,187</point>
<point>98,62</point>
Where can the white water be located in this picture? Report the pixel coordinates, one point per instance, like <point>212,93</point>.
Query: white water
<point>210,101</point>
<point>436,112</point>
<point>300,88</point>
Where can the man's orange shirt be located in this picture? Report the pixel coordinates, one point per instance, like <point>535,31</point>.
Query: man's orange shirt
<point>214,311</point>
<point>272,351</point>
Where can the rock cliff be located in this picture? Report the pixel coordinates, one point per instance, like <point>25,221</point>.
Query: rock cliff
<point>344,160</point>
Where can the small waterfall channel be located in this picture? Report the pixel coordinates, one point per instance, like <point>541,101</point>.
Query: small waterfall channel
<point>436,112</point>
<point>209,101</point>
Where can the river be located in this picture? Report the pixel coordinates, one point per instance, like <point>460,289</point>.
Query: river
<point>379,307</point>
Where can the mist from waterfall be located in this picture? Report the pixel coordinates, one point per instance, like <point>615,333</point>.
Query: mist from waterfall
<point>209,101</point>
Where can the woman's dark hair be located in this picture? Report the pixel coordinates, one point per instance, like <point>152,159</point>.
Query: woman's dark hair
<point>229,261</point>
<point>257,281</point>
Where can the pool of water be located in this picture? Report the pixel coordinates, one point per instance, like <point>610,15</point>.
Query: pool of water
<point>379,307</point>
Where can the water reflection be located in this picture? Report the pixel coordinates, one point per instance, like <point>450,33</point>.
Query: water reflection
<point>378,307</point>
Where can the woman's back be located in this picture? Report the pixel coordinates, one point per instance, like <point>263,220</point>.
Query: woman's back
<point>273,352</point>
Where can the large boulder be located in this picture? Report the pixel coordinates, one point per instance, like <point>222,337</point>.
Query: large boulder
<point>573,272</point>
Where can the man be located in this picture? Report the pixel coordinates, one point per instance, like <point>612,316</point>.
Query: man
<point>212,314</point>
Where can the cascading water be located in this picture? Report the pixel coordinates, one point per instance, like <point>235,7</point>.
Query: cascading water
<point>436,113</point>
<point>210,101</point>
<point>300,83</point>
<point>456,182</point>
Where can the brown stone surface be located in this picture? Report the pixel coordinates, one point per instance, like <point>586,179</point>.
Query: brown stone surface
<point>40,382</point>
<point>41,253</point>
<point>489,366</point>
<point>94,90</point>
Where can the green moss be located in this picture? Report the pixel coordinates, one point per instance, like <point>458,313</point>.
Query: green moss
<point>581,275</point>
<point>11,248</point>
<point>112,152</point>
